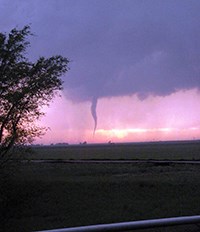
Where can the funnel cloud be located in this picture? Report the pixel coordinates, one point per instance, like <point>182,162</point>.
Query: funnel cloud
<point>94,113</point>
<point>117,48</point>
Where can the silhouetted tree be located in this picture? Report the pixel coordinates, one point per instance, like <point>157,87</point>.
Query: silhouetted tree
<point>25,87</point>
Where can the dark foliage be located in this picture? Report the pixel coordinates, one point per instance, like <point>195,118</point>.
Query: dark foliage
<point>25,87</point>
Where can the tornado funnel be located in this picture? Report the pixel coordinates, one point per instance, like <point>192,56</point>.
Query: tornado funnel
<point>94,113</point>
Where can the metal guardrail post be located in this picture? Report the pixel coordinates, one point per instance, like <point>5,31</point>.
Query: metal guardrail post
<point>133,225</point>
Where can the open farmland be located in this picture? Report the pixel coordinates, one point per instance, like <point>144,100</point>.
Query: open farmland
<point>188,150</point>
<point>39,196</point>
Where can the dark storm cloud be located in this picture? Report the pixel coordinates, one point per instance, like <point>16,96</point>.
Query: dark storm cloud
<point>117,47</point>
<point>127,47</point>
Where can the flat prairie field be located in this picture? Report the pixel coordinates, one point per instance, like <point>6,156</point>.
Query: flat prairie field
<point>49,195</point>
<point>180,150</point>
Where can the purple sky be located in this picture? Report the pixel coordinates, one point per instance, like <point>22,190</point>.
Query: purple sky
<point>117,47</point>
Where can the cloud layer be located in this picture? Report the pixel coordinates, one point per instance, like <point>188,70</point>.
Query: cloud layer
<point>117,47</point>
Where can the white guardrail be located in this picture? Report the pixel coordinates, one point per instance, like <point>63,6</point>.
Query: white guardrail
<point>133,225</point>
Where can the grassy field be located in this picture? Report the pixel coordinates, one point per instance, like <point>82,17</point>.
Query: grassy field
<point>38,196</point>
<point>189,150</point>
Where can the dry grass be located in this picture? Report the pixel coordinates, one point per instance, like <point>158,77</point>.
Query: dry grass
<point>39,196</point>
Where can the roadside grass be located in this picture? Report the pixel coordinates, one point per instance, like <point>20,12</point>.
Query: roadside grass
<point>42,196</point>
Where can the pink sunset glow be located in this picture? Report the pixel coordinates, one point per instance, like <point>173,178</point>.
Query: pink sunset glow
<point>119,50</point>
<point>125,119</point>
